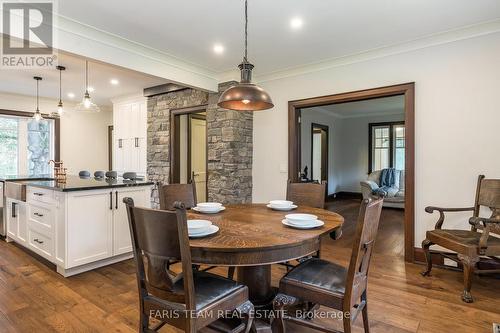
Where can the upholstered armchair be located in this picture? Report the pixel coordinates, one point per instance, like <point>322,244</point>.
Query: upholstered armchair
<point>395,195</point>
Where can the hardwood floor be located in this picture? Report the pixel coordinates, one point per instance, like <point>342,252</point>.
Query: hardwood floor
<point>34,298</point>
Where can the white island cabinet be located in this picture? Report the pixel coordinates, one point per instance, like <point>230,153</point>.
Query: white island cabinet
<point>76,229</point>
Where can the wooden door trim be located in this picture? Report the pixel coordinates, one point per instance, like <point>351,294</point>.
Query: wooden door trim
<point>327,131</point>
<point>174,138</point>
<point>110,147</point>
<point>406,89</point>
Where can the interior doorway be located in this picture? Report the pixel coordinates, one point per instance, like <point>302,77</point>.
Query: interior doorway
<point>188,134</point>
<point>319,152</point>
<point>397,148</point>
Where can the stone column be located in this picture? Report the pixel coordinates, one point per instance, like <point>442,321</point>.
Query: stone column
<point>230,150</point>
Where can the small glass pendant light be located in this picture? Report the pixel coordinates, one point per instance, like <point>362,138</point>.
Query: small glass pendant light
<point>86,104</point>
<point>37,116</point>
<point>60,108</point>
<point>245,96</point>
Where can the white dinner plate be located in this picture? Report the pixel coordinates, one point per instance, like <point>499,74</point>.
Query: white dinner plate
<point>206,211</point>
<point>211,230</point>
<point>284,209</point>
<point>317,224</point>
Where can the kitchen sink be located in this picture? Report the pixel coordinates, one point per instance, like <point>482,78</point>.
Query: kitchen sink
<point>17,189</point>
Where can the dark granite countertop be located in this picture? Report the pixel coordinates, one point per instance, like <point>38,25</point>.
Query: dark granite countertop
<point>75,183</point>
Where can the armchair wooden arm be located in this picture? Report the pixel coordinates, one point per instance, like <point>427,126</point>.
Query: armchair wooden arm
<point>441,210</point>
<point>483,241</point>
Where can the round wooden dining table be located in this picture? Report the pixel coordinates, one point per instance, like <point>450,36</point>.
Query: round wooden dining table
<point>252,237</point>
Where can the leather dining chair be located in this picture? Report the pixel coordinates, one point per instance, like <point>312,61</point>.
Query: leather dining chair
<point>185,193</point>
<point>190,300</point>
<point>171,193</point>
<point>310,194</point>
<point>325,283</point>
<point>307,194</point>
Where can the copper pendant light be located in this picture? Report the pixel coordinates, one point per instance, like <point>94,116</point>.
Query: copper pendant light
<point>245,96</point>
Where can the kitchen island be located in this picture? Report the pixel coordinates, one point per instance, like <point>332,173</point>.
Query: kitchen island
<point>78,225</point>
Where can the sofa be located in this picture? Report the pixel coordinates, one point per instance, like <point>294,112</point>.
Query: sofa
<point>395,195</point>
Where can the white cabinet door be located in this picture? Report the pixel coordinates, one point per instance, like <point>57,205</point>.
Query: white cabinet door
<point>16,220</point>
<point>142,155</point>
<point>12,215</point>
<point>22,223</point>
<point>89,227</point>
<point>121,233</point>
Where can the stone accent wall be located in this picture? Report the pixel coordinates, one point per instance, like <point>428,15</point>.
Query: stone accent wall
<point>229,143</point>
<point>159,131</point>
<point>230,150</point>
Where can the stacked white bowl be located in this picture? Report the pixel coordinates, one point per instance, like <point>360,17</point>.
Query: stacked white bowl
<point>209,207</point>
<point>281,205</point>
<point>302,220</point>
<point>198,227</point>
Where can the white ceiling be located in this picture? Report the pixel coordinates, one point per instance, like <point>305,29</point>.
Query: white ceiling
<point>373,107</point>
<point>188,29</point>
<point>73,80</point>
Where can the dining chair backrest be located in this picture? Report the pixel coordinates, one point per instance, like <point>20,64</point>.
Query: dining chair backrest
<point>488,195</point>
<point>185,193</point>
<point>158,237</point>
<point>364,241</point>
<point>307,194</point>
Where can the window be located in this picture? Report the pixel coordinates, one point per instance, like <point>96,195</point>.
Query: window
<point>387,146</point>
<point>26,146</point>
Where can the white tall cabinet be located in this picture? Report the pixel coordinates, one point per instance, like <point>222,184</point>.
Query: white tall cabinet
<point>129,135</point>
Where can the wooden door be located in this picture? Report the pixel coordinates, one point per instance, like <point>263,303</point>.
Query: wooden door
<point>198,148</point>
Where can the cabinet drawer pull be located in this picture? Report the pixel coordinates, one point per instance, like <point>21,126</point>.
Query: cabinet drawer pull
<point>38,214</point>
<point>111,200</point>
<point>116,199</point>
<point>136,142</point>
<point>14,205</point>
<point>38,241</point>
<point>38,194</point>
<point>120,143</point>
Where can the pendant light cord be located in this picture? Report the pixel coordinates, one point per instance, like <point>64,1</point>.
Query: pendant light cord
<point>37,108</point>
<point>246,30</point>
<point>60,89</point>
<point>87,76</point>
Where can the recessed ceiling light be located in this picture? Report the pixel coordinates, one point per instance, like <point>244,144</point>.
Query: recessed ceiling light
<point>90,89</point>
<point>296,23</point>
<point>218,49</point>
<point>71,95</point>
<point>114,82</point>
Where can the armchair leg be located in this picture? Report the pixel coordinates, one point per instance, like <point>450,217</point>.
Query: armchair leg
<point>426,244</point>
<point>469,264</point>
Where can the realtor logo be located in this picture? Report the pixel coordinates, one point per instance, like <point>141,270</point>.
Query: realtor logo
<point>28,34</point>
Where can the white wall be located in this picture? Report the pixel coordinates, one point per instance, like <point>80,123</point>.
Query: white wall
<point>354,150</point>
<point>347,146</point>
<point>456,117</point>
<point>308,117</point>
<point>84,136</point>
